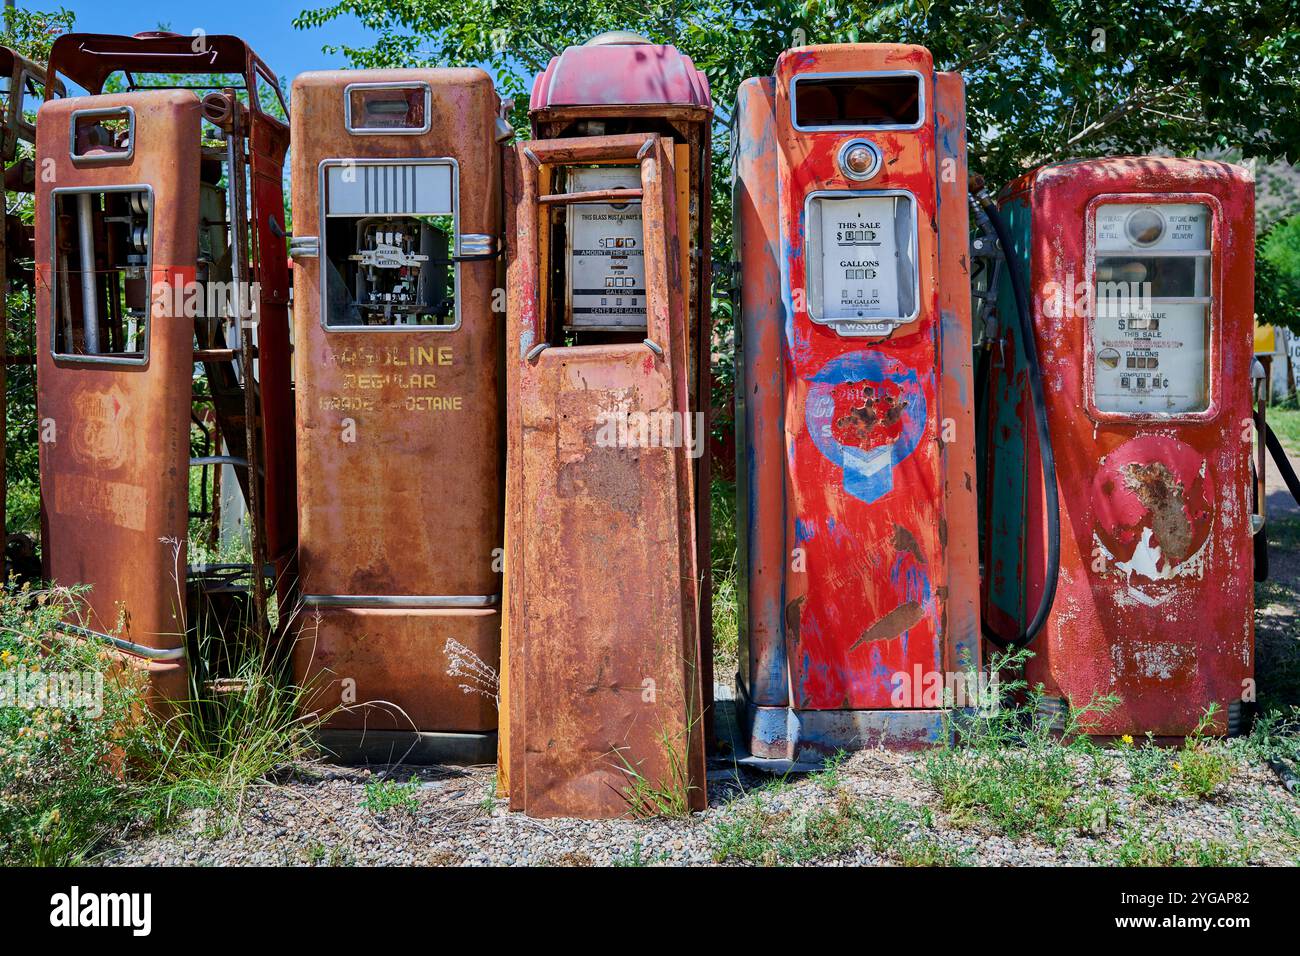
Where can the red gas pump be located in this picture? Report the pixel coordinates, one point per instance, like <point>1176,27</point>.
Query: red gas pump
<point>1139,287</point>
<point>854,415</point>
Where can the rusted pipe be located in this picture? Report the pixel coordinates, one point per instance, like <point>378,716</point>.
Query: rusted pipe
<point>85,235</point>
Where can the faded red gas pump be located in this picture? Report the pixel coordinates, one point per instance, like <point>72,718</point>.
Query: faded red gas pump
<point>141,277</point>
<point>855,438</point>
<point>607,501</point>
<point>1139,286</point>
<point>396,248</point>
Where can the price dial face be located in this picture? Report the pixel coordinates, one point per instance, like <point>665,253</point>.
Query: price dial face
<point>861,261</point>
<point>1151,308</point>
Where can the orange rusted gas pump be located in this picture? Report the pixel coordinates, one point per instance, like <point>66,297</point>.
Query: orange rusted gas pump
<point>1135,280</point>
<point>397,212</point>
<point>22,95</point>
<point>141,279</point>
<point>607,500</point>
<point>855,437</point>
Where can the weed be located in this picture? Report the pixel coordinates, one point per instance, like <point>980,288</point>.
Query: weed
<point>1011,768</point>
<point>384,795</point>
<point>637,857</point>
<point>1161,775</point>
<point>62,793</point>
<point>726,583</point>
<point>1143,845</point>
<point>759,832</point>
<point>830,776</point>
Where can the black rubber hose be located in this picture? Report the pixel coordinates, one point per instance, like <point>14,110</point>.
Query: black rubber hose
<point>1048,459</point>
<point>1283,463</point>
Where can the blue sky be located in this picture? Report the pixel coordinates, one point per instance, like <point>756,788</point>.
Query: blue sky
<point>266,24</point>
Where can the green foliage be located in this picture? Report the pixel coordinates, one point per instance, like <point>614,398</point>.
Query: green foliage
<point>1045,80</point>
<point>1277,274</point>
<point>61,794</point>
<point>74,778</point>
<point>32,33</point>
<point>726,580</point>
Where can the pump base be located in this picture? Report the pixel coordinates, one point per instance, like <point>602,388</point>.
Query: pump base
<point>786,738</point>
<point>408,747</point>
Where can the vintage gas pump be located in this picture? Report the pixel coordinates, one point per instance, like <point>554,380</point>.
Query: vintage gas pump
<point>148,267</point>
<point>855,472</point>
<point>607,496</point>
<point>1138,280</point>
<point>22,95</point>
<point>397,212</point>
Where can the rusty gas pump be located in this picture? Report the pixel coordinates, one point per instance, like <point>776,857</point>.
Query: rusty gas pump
<point>1134,277</point>
<point>23,94</point>
<point>607,495</point>
<point>397,212</point>
<point>147,266</point>
<point>855,438</point>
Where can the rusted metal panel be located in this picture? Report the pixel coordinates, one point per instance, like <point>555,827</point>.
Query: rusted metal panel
<point>1155,595</point>
<point>959,531</point>
<point>604,652</point>
<point>268,146</point>
<point>760,395</point>
<point>115,472</point>
<point>875,469</point>
<point>399,437</point>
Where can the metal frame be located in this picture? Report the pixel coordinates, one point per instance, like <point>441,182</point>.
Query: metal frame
<point>1214,307</point>
<point>84,160</point>
<point>18,97</point>
<point>403,601</point>
<point>323,253</point>
<point>913,248</point>
<point>920,101</point>
<point>393,85</point>
<point>58,356</point>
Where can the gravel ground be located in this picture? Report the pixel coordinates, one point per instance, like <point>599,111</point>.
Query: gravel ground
<point>320,817</point>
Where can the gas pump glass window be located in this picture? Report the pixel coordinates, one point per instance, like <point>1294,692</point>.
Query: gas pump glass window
<point>606,285</point>
<point>388,237</point>
<point>1151,308</point>
<point>861,261</point>
<point>856,101</point>
<point>101,293</point>
<point>388,107</point>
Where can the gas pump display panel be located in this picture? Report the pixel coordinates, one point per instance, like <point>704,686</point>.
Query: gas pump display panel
<point>1151,311</point>
<point>861,261</point>
<point>388,232</point>
<point>606,255</point>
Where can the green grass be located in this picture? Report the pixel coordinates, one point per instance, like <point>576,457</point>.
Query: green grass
<point>666,797</point>
<point>758,831</point>
<point>1144,845</point>
<point>384,795</point>
<point>1284,420</point>
<point>726,580</point>
<point>1010,770</point>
